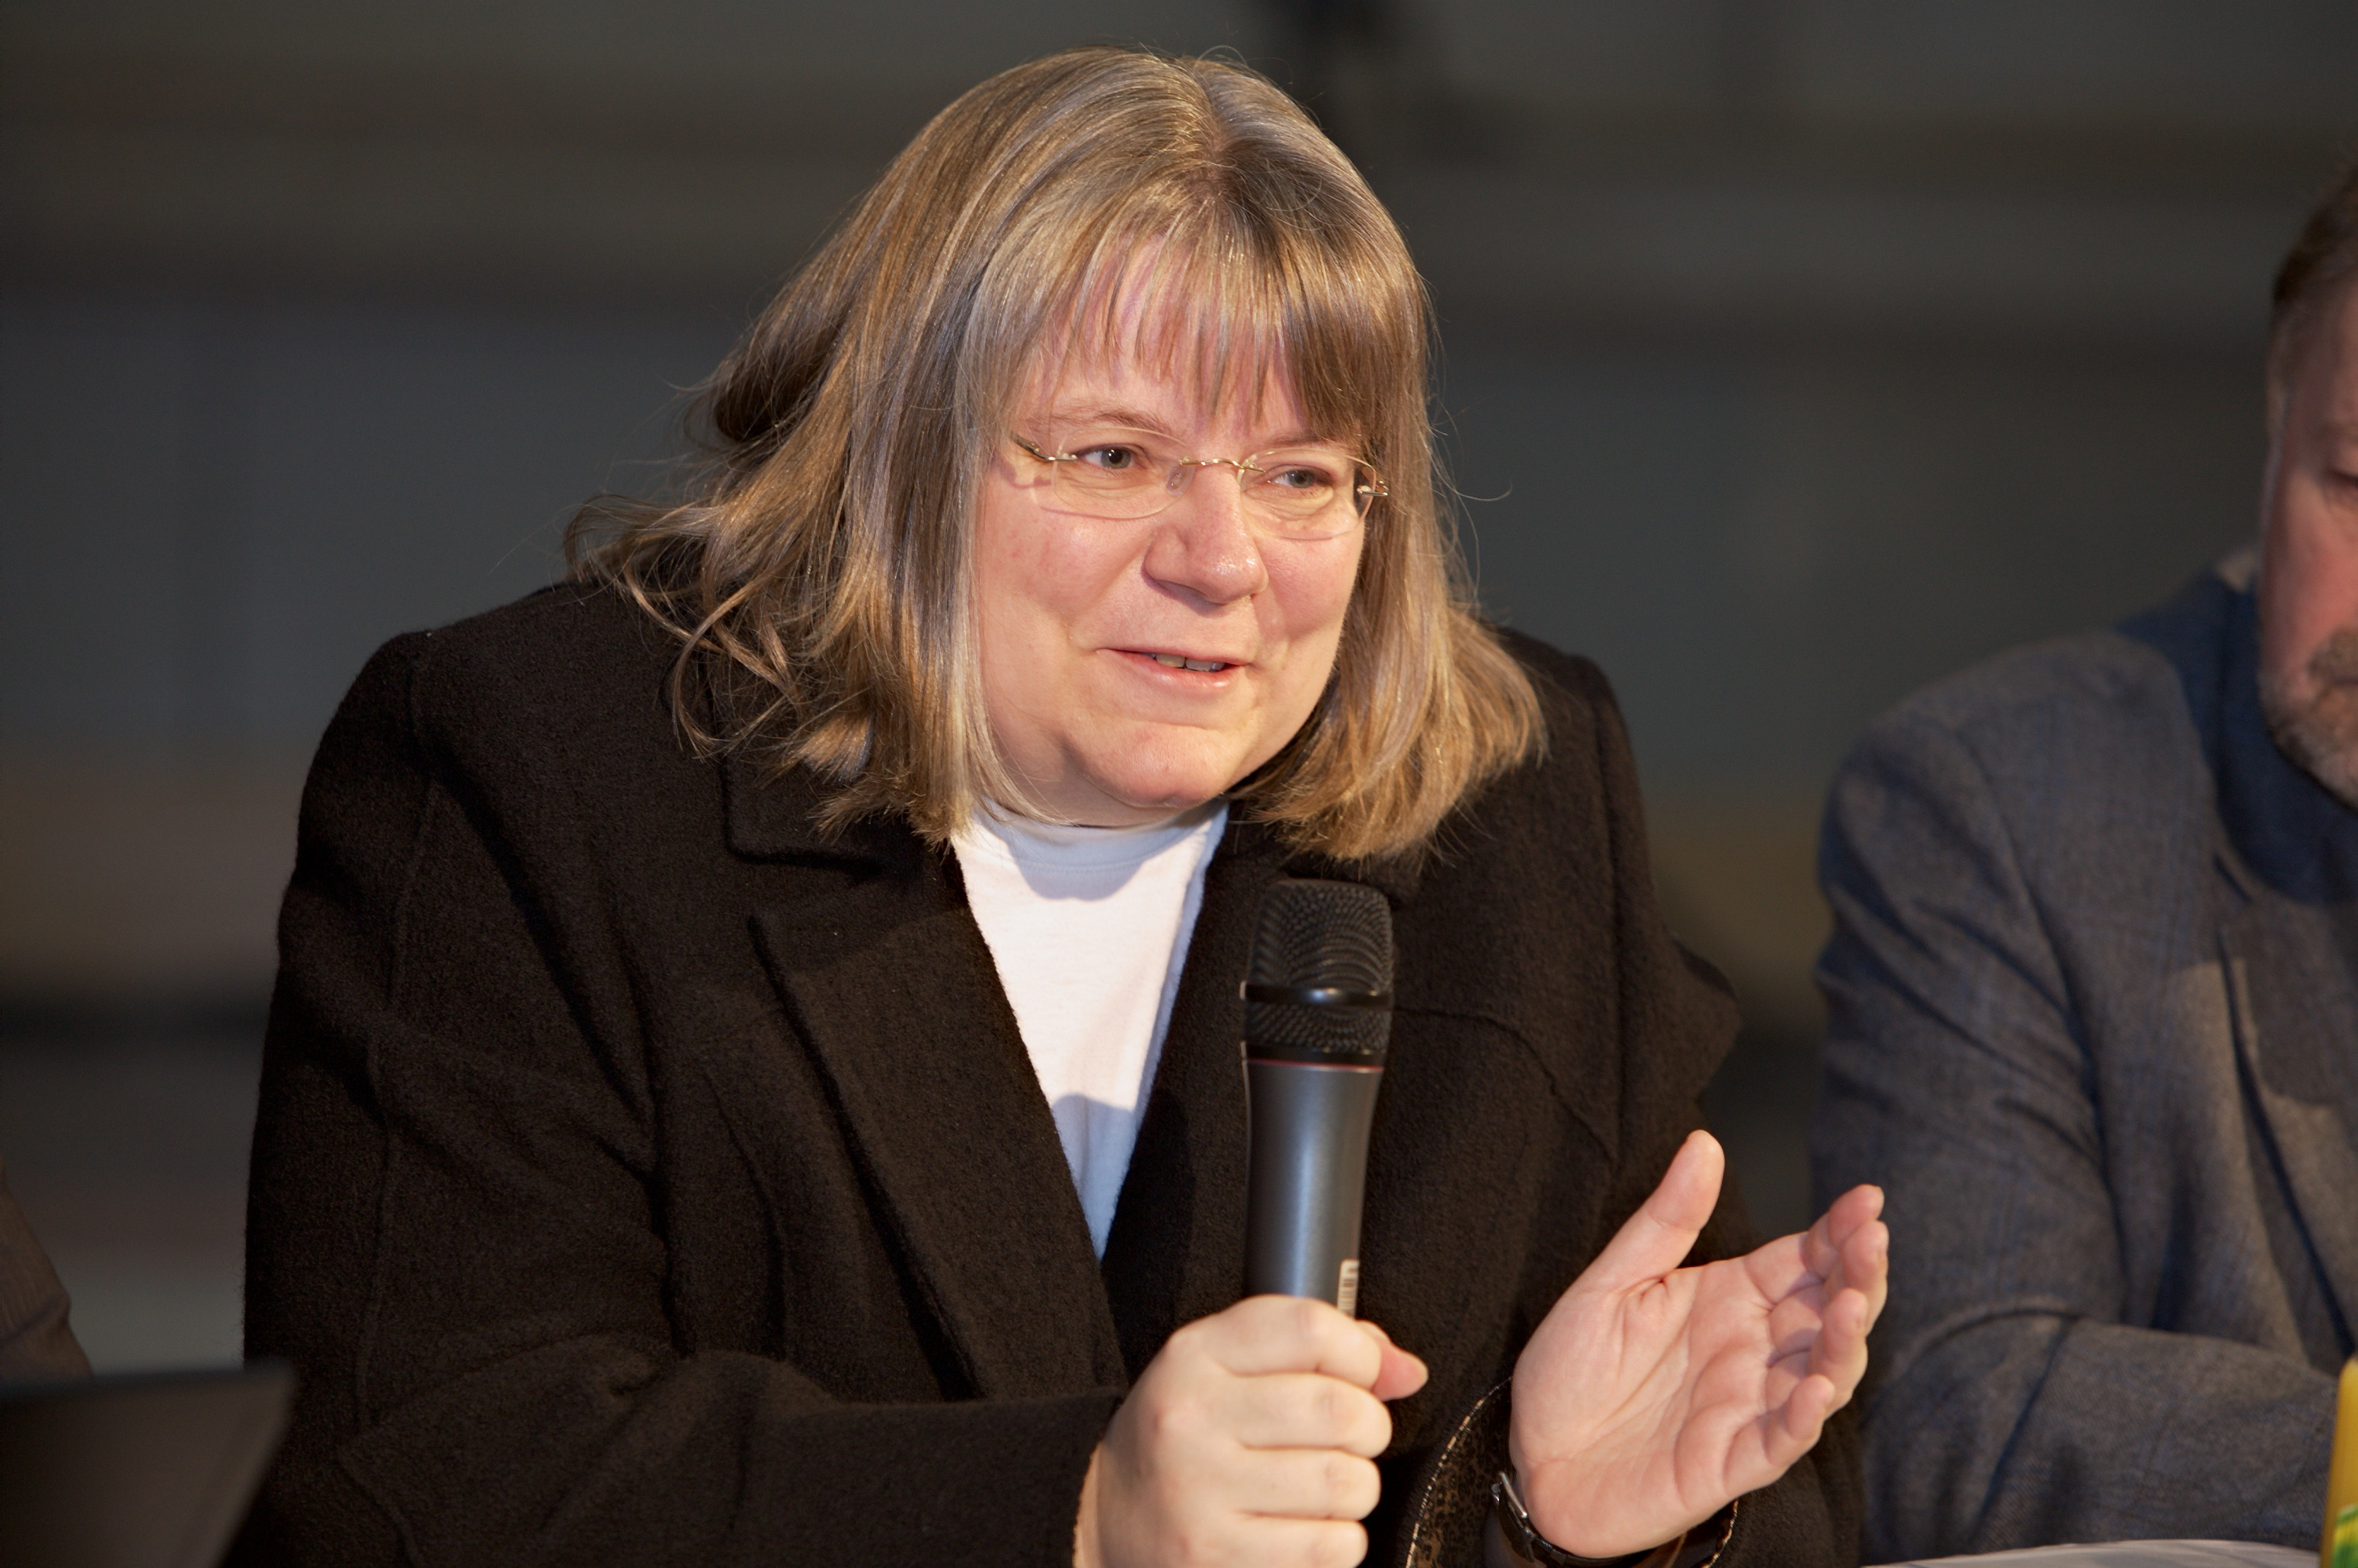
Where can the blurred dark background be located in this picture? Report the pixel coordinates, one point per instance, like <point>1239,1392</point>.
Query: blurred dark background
<point>1798,352</point>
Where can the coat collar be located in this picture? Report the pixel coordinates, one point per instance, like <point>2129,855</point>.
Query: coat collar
<point>889,980</point>
<point>771,815</point>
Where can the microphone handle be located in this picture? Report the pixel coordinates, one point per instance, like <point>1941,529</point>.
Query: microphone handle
<point>1309,1125</point>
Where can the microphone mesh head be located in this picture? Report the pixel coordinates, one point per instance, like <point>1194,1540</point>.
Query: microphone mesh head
<point>1329,934</point>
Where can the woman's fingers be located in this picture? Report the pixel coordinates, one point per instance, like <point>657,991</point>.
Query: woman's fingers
<point>1827,1242</point>
<point>1261,1335</point>
<point>1249,1438</point>
<point>1307,1483</point>
<point>1867,1265</point>
<point>1793,1428</point>
<point>1401,1374</point>
<point>1264,1335</point>
<point>1845,1247</point>
<point>1656,1238</point>
<point>1303,1410</point>
<point>1303,1543</point>
<point>1827,1320</point>
<point>1840,1353</point>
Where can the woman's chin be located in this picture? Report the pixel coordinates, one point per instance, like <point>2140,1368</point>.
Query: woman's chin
<point>1131,794</point>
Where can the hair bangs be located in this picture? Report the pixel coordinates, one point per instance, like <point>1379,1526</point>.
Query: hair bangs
<point>1196,285</point>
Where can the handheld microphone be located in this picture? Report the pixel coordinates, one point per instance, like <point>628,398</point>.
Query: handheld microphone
<point>1318,1020</point>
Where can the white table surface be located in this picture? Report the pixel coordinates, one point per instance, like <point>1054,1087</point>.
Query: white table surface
<point>2139,1554</point>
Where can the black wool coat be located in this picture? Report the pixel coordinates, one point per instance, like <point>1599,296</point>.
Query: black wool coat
<point>642,1178</point>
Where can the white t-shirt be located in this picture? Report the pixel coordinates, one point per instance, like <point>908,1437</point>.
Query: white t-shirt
<point>1088,927</point>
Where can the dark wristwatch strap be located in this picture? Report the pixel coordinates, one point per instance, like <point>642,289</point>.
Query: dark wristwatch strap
<point>1529,1545</point>
<point>1512,1540</point>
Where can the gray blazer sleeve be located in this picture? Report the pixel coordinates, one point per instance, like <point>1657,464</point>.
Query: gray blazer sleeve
<point>2009,1403</point>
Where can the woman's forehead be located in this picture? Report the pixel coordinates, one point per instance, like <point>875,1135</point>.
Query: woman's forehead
<point>1166,319</point>
<point>1216,338</point>
<point>1157,391</point>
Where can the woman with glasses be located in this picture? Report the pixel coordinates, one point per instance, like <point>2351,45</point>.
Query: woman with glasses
<point>755,1074</point>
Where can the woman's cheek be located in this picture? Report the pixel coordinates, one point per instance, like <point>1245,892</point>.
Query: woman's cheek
<point>1313,582</point>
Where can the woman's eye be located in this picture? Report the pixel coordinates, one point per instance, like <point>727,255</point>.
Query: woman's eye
<point>1298,477</point>
<point>1113,458</point>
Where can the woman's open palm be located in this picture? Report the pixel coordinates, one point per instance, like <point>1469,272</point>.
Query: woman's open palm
<point>1651,1394</point>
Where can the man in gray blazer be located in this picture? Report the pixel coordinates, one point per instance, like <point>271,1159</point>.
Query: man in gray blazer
<point>2094,1027</point>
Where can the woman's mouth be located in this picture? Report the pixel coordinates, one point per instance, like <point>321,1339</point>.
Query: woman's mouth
<point>1181,662</point>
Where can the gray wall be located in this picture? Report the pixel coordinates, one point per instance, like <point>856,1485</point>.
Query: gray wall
<point>1818,346</point>
<point>1765,548</point>
<point>250,492</point>
<point>1815,347</point>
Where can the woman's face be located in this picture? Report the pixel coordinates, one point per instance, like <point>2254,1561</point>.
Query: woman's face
<point>1081,614</point>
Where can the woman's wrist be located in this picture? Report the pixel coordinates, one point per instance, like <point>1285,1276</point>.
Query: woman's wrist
<point>1513,1541</point>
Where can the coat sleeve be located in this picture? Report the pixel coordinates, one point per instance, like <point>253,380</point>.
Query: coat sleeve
<point>1677,1025</point>
<point>2009,1404</point>
<point>455,1234</point>
<point>1673,1020</point>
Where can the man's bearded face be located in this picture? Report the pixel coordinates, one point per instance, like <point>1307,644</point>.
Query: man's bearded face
<point>2309,574</point>
<point>2315,720</point>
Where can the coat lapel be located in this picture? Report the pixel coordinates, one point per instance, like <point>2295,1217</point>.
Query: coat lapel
<point>1176,1249</point>
<point>2288,933</point>
<point>888,979</point>
<point>2296,1020</point>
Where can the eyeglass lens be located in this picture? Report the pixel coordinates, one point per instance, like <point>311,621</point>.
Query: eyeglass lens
<point>1127,477</point>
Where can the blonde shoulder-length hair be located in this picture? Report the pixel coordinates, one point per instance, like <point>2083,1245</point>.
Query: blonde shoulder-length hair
<point>817,575</point>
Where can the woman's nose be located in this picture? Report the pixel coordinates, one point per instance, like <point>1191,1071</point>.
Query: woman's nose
<point>1203,543</point>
